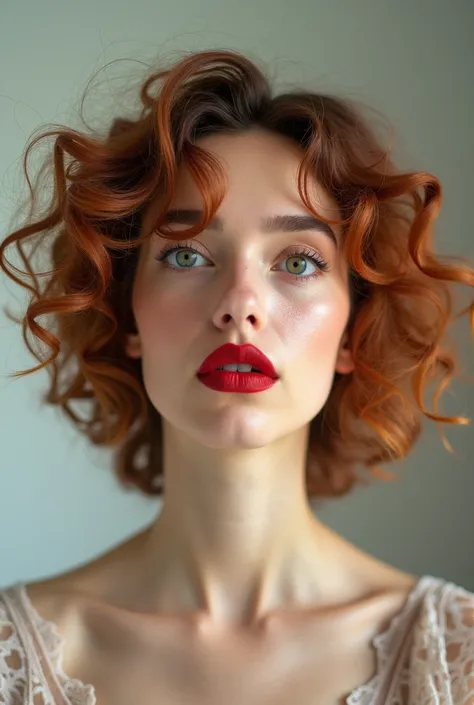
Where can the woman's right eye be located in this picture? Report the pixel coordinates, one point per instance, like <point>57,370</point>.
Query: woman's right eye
<point>184,257</point>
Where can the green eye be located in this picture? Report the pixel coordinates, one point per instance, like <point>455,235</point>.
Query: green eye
<point>294,267</point>
<point>186,258</point>
<point>296,261</point>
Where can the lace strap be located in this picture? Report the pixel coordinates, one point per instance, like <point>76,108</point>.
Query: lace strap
<point>399,648</point>
<point>34,647</point>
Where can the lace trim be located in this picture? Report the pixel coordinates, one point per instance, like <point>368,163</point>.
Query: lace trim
<point>78,692</point>
<point>364,694</point>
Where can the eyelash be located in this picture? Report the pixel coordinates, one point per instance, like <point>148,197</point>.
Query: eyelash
<point>320,263</point>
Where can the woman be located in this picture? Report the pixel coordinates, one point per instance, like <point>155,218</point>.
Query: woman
<point>246,286</point>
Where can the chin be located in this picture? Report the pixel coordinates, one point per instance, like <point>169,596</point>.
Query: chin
<point>235,429</point>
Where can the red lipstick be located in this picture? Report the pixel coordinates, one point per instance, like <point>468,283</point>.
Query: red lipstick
<point>259,376</point>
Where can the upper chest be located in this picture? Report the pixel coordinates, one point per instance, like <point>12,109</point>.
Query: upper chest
<point>317,663</point>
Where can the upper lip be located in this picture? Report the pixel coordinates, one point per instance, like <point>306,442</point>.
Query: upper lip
<point>230,353</point>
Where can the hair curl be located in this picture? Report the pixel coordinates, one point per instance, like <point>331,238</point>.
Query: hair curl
<point>401,298</point>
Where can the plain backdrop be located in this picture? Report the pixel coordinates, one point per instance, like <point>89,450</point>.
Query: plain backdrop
<point>412,61</point>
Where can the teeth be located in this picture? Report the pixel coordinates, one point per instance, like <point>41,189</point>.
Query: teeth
<point>238,368</point>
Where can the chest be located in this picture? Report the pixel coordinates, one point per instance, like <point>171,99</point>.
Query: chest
<point>303,669</point>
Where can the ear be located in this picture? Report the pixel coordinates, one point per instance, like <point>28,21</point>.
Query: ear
<point>133,346</point>
<point>344,361</point>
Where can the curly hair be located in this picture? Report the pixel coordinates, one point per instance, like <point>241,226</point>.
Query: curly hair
<point>401,293</point>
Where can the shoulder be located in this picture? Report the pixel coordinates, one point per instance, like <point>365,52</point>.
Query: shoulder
<point>448,609</point>
<point>452,611</point>
<point>27,608</point>
<point>37,622</point>
<point>37,614</point>
<point>443,649</point>
<point>17,667</point>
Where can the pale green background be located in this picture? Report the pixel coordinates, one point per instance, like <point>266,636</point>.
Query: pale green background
<point>414,61</point>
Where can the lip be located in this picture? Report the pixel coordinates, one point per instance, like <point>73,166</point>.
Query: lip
<point>230,353</point>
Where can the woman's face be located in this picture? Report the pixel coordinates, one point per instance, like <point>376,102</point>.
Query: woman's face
<point>284,292</point>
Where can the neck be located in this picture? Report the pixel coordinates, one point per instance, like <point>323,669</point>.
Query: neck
<point>236,537</point>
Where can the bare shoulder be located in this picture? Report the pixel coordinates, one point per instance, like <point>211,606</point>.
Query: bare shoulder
<point>62,598</point>
<point>58,599</point>
<point>385,597</point>
<point>386,587</point>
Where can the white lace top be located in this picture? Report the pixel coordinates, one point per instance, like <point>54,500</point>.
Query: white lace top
<point>424,657</point>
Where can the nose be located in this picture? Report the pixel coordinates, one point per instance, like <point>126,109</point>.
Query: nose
<point>242,305</point>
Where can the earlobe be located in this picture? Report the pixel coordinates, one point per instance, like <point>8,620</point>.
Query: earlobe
<point>133,346</point>
<point>344,363</point>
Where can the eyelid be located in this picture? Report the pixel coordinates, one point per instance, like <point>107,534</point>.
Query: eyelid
<point>176,244</point>
<point>194,245</point>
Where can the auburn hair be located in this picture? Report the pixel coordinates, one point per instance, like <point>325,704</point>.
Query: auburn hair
<point>401,292</point>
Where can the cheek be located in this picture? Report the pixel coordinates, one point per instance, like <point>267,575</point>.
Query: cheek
<point>165,319</point>
<point>311,333</point>
<point>314,327</point>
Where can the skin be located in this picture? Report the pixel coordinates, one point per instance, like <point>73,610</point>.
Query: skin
<point>236,534</point>
<point>236,553</point>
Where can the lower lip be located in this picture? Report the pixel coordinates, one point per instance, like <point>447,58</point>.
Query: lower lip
<point>241,382</point>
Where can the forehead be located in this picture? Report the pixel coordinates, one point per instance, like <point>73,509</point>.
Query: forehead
<point>260,167</point>
<point>261,178</point>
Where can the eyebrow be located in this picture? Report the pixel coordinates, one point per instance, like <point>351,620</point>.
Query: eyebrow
<point>274,223</point>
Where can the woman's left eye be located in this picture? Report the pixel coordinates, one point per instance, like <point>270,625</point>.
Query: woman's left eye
<point>296,256</point>
<point>186,256</point>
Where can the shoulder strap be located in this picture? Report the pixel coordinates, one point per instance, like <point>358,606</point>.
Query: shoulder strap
<point>32,642</point>
<point>400,647</point>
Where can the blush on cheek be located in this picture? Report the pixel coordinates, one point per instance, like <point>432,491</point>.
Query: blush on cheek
<point>309,319</point>
<point>312,331</point>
